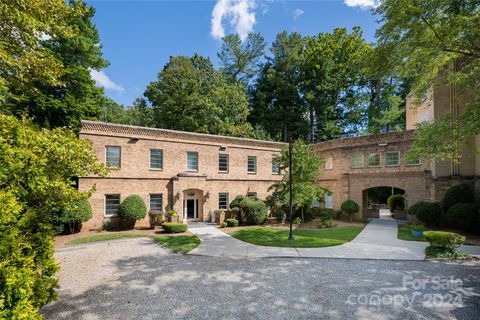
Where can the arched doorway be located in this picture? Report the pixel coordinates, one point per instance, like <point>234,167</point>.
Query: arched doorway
<point>375,200</point>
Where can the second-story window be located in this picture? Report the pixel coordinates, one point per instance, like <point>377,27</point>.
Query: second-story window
<point>374,160</point>
<point>192,161</point>
<point>392,159</point>
<point>357,160</point>
<point>156,159</point>
<point>252,164</point>
<point>113,156</point>
<point>329,163</point>
<point>275,166</point>
<point>411,159</point>
<point>252,194</point>
<point>223,162</point>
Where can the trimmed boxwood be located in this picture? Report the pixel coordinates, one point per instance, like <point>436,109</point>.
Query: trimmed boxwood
<point>350,207</point>
<point>174,227</point>
<point>463,216</point>
<point>427,212</point>
<point>70,219</point>
<point>461,193</point>
<point>249,210</point>
<point>232,222</point>
<point>442,239</point>
<point>396,202</point>
<point>132,208</point>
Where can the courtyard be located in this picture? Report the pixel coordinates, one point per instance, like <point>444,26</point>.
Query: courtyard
<point>136,278</point>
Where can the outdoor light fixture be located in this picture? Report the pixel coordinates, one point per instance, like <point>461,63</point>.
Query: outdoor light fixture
<point>223,148</point>
<point>207,195</point>
<point>133,140</point>
<point>177,196</point>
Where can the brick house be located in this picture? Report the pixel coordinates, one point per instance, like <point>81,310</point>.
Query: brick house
<point>198,174</point>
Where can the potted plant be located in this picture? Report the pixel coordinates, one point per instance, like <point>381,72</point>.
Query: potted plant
<point>417,230</point>
<point>171,214</point>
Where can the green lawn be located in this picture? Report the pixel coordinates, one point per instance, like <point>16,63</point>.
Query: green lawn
<point>179,244</point>
<point>404,233</point>
<point>103,237</point>
<point>275,237</point>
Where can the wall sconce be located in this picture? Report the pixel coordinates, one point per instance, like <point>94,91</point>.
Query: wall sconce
<point>177,196</point>
<point>207,195</point>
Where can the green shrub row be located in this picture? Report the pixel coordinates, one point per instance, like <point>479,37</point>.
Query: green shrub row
<point>174,227</point>
<point>232,222</point>
<point>442,239</point>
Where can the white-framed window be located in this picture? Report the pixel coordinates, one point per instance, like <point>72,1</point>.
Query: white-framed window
<point>223,162</point>
<point>392,159</point>
<point>357,160</point>
<point>316,204</point>
<point>156,201</point>
<point>113,156</point>
<point>252,195</point>
<point>192,161</point>
<point>328,198</point>
<point>374,159</point>
<point>411,159</point>
<point>275,166</point>
<point>223,200</point>
<point>112,203</point>
<point>329,163</point>
<point>156,159</point>
<point>252,164</point>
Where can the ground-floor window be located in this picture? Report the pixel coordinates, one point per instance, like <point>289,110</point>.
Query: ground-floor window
<point>252,195</point>
<point>112,202</point>
<point>223,200</point>
<point>156,201</point>
<point>328,201</point>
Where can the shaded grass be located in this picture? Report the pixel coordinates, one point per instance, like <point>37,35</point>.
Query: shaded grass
<point>103,237</point>
<point>178,244</point>
<point>404,233</point>
<point>275,237</point>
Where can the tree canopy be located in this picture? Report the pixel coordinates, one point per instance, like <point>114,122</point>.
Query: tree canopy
<point>191,95</point>
<point>435,43</point>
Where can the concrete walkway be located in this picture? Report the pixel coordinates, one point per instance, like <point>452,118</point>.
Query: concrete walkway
<point>378,240</point>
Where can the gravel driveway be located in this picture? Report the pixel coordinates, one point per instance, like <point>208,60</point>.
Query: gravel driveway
<point>137,279</point>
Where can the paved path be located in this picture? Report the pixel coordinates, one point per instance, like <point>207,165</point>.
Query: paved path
<point>378,240</point>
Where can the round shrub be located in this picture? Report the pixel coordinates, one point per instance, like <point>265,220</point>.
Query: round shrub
<point>223,225</point>
<point>427,212</point>
<point>132,208</point>
<point>350,207</point>
<point>70,219</point>
<point>442,239</point>
<point>463,216</point>
<point>396,202</point>
<point>461,193</point>
<point>231,222</point>
<point>297,220</point>
<point>255,211</point>
<point>174,227</point>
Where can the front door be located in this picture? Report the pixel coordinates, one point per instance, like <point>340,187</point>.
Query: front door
<point>191,207</point>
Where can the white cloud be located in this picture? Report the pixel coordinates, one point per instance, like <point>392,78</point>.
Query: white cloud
<point>364,4</point>
<point>297,13</point>
<point>239,14</point>
<point>103,80</point>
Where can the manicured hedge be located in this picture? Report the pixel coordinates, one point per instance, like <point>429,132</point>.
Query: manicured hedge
<point>350,207</point>
<point>249,210</point>
<point>70,219</point>
<point>396,202</point>
<point>427,212</point>
<point>442,239</point>
<point>463,216</point>
<point>232,222</point>
<point>174,227</point>
<point>461,193</point>
<point>132,208</point>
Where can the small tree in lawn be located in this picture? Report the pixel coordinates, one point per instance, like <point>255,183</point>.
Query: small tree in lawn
<point>305,171</point>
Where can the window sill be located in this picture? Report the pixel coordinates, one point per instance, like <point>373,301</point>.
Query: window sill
<point>251,173</point>
<point>110,215</point>
<point>156,169</point>
<point>392,165</point>
<point>223,172</point>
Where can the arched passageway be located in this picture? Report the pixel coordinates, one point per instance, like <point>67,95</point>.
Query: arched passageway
<point>374,200</point>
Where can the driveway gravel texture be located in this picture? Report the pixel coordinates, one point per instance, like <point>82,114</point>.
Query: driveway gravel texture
<point>138,279</point>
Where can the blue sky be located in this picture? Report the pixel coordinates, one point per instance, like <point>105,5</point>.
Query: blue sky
<point>138,37</point>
